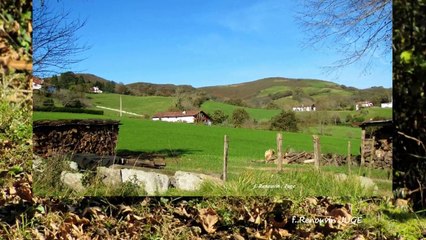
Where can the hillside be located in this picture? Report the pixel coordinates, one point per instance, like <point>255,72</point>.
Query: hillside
<point>264,87</point>
<point>285,93</point>
<point>272,93</point>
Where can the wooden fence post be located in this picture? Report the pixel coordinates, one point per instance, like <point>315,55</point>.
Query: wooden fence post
<point>362,147</point>
<point>225,158</point>
<point>317,152</point>
<point>349,160</point>
<point>279,151</point>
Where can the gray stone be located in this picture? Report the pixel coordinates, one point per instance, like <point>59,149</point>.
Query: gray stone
<point>341,177</point>
<point>368,183</point>
<point>38,165</point>
<point>72,165</point>
<point>73,181</point>
<point>192,181</point>
<point>152,182</point>
<point>109,176</point>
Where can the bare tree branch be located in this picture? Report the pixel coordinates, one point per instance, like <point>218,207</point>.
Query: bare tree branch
<point>356,28</point>
<point>55,41</point>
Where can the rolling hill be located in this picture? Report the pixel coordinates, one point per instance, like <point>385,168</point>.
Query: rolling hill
<point>273,92</point>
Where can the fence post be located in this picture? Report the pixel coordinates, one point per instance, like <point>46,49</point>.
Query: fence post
<point>362,146</point>
<point>349,160</point>
<point>317,152</point>
<point>225,158</point>
<point>279,151</point>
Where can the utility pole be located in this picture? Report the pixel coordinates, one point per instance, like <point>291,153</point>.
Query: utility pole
<point>121,107</point>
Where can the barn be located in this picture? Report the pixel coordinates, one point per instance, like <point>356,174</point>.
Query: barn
<point>193,116</point>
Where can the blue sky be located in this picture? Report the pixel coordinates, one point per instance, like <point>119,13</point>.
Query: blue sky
<point>204,43</point>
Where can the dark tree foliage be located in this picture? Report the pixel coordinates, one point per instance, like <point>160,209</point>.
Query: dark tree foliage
<point>285,121</point>
<point>409,71</point>
<point>239,116</point>
<point>219,117</point>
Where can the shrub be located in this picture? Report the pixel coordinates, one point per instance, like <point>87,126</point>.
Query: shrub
<point>219,117</point>
<point>239,116</point>
<point>48,103</point>
<point>68,110</point>
<point>285,121</point>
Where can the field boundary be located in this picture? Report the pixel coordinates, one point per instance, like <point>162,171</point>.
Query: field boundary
<point>118,110</point>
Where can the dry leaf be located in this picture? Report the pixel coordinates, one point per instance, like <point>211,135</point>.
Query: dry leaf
<point>181,211</point>
<point>12,190</point>
<point>359,237</point>
<point>283,232</point>
<point>208,219</point>
<point>24,191</point>
<point>125,209</point>
<point>340,213</point>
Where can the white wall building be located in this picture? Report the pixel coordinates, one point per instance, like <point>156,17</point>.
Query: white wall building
<point>184,116</point>
<point>386,105</point>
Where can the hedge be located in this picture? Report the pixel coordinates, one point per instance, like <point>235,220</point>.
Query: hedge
<point>67,109</point>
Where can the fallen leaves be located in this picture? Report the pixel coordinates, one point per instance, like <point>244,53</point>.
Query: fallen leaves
<point>208,218</point>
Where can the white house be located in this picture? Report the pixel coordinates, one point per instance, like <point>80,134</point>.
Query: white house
<point>95,90</point>
<point>37,83</point>
<point>386,105</point>
<point>194,116</point>
<point>305,109</point>
<point>364,104</point>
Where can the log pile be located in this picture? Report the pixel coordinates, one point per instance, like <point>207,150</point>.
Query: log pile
<point>380,161</point>
<point>75,136</point>
<point>382,153</point>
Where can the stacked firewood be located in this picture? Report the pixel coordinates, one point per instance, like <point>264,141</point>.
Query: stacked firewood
<point>382,153</point>
<point>379,161</point>
<point>75,136</point>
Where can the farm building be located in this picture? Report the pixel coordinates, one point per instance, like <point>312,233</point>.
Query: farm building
<point>304,109</point>
<point>194,116</point>
<point>386,105</point>
<point>37,83</point>
<point>95,90</point>
<point>364,104</point>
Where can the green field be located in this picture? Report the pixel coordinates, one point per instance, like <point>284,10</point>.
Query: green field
<point>153,104</point>
<point>139,105</point>
<point>258,114</point>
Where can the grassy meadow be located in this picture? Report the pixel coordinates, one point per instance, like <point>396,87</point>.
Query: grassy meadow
<point>150,105</point>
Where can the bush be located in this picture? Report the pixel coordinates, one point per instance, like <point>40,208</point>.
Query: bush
<point>285,121</point>
<point>239,116</point>
<point>48,103</point>
<point>68,110</point>
<point>219,117</point>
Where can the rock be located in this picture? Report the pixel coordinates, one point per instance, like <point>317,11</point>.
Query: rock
<point>72,165</point>
<point>269,155</point>
<point>73,181</point>
<point>109,176</point>
<point>152,182</point>
<point>37,163</point>
<point>341,177</point>
<point>192,181</point>
<point>368,183</point>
